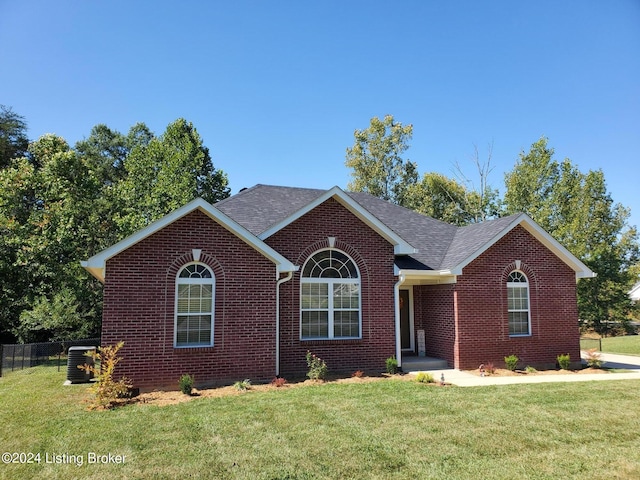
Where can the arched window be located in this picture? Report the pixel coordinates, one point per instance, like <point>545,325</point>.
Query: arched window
<point>518,304</point>
<point>195,287</point>
<point>330,297</point>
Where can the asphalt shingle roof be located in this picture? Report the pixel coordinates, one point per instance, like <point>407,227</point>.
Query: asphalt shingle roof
<point>440,245</point>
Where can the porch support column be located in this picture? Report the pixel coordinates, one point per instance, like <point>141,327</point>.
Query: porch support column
<point>396,295</point>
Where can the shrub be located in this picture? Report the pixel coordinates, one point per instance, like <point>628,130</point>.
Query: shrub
<point>358,374</point>
<point>594,358</point>
<point>392,365</point>
<point>489,368</point>
<point>106,390</point>
<point>186,384</point>
<point>242,385</point>
<point>564,361</point>
<point>424,377</point>
<point>317,367</point>
<point>511,362</point>
<point>278,382</point>
<point>530,369</point>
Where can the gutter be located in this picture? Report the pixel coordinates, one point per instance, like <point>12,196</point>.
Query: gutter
<point>281,281</point>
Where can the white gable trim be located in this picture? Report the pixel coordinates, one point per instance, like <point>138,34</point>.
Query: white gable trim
<point>582,271</point>
<point>96,265</point>
<point>634,293</point>
<point>401,247</point>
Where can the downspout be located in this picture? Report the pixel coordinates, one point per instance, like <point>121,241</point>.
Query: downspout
<point>396,295</point>
<point>281,281</point>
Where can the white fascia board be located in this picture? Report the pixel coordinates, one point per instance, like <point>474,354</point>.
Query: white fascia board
<point>582,271</point>
<point>96,264</point>
<point>401,247</point>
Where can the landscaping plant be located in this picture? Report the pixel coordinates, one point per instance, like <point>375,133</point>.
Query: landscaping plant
<point>392,365</point>
<point>106,390</point>
<point>317,367</point>
<point>564,361</point>
<point>186,384</point>
<point>424,377</point>
<point>511,362</point>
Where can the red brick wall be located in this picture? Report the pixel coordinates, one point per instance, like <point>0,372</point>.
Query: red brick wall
<point>374,258</point>
<point>139,297</point>
<point>482,305</point>
<point>434,312</point>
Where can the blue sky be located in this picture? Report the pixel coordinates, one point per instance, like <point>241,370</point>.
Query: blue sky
<point>276,89</point>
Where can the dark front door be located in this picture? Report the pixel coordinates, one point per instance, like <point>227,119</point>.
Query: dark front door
<point>405,323</point>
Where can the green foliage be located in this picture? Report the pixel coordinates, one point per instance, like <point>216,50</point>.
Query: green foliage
<point>186,384</point>
<point>511,362</point>
<point>424,377</point>
<point>60,205</point>
<point>578,211</point>
<point>564,361</point>
<point>392,365</point>
<point>242,385</point>
<point>13,136</point>
<point>376,160</point>
<point>106,389</point>
<point>317,367</point>
<point>530,369</point>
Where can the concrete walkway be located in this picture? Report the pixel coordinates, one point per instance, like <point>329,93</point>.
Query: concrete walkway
<point>626,362</point>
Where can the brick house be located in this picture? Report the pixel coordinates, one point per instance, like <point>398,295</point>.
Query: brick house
<point>245,288</point>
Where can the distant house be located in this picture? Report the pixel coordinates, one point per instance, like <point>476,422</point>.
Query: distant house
<point>245,288</point>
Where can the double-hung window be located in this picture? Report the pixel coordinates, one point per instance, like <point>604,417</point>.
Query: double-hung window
<point>195,287</point>
<point>330,297</point>
<point>518,304</point>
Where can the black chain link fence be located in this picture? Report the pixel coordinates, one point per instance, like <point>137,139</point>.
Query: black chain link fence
<point>19,356</point>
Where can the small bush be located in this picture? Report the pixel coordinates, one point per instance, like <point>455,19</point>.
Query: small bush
<point>358,374</point>
<point>530,369</point>
<point>490,368</point>
<point>242,385</point>
<point>594,358</point>
<point>511,362</point>
<point>278,382</point>
<point>424,377</point>
<point>317,367</point>
<point>106,390</point>
<point>392,365</point>
<point>564,361</point>
<point>186,384</point>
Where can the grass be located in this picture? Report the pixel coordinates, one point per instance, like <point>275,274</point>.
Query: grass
<point>625,345</point>
<point>380,430</point>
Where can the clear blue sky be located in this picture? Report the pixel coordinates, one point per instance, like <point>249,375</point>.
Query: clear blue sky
<point>277,88</point>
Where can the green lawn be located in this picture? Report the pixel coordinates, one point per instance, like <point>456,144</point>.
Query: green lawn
<point>385,430</point>
<point>628,345</point>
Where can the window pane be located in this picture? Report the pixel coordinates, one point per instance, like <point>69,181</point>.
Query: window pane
<point>346,295</point>
<point>346,324</point>
<point>315,295</point>
<point>315,324</point>
<point>518,323</point>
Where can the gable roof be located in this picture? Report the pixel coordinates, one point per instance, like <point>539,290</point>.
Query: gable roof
<point>96,265</point>
<point>266,209</point>
<point>634,293</point>
<point>438,248</point>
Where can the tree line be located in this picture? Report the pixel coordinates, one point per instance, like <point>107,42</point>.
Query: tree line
<point>60,204</point>
<point>575,207</point>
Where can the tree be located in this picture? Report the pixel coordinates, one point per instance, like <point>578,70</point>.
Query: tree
<point>163,175</point>
<point>440,197</point>
<point>577,210</point>
<point>377,163</point>
<point>13,136</point>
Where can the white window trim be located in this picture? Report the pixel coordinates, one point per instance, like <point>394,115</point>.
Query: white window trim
<point>528,309</point>
<point>194,281</point>
<point>330,282</point>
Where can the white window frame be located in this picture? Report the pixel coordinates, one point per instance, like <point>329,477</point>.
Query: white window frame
<point>194,281</point>
<point>519,284</point>
<point>331,283</point>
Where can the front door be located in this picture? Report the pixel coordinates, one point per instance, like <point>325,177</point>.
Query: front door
<point>406,331</point>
